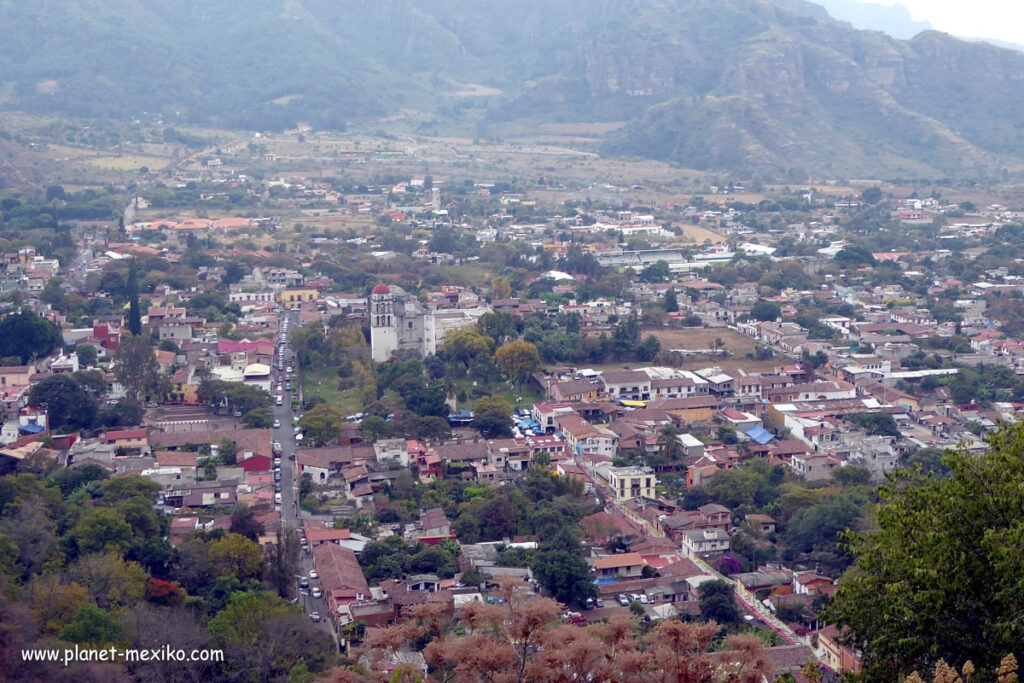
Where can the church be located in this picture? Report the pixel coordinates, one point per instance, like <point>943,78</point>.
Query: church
<point>399,322</point>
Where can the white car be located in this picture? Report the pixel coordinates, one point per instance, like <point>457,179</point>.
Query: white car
<point>317,593</point>
<point>315,616</point>
<point>313,574</point>
<point>277,423</point>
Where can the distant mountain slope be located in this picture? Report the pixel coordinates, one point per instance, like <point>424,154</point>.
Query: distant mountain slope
<point>893,20</point>
<point>777,88</point>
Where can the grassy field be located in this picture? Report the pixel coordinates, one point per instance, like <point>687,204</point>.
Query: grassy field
<point>504,390</point>
<point>345,401</point>
<point>697,338</point>
<point>736,348</point>
<point>700,234</point>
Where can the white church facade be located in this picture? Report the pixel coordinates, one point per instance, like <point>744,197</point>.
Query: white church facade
<point>399,322</point>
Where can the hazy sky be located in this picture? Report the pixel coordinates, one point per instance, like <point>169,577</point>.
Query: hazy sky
<point>999,19</point>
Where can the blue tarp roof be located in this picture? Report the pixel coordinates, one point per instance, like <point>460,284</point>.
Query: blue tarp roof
<point>759,434</point>
<point>31,429</point>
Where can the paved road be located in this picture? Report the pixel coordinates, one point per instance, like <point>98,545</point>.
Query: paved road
<point>284,434</point>
<point>291,515</point>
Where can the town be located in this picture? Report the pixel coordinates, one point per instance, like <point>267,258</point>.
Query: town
<point>396,399</point>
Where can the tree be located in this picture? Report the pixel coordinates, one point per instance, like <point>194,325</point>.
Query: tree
<point>565,575</point>
<point>374,427</point>
<point>236,555</point>
<point>428,401</point>
<point>27,335</point>
<point>718,602</point>
<point>321,425</point>
<point>259,418</point>
<point>87,354</point>
<point>464,345</point>
<point>500,289</point>
<point>101,529</point>
<point>517,360</point>
<point>671,303</point>
<point>244,523</point>
<point>872,195</point>
<point>876,423</point>
<point>281,562</point>
<point>648,350</point>
<point>137,369</point>
<point>854,256</point>
<point>497,325</point>
<point>765,311</point>
<point>92,626</point>
<point>266,637</point>
<point>112,581</point>
<point>669,446</point>
<point>939,577</point>
<point>134,311</point>
<point>67,404</point>
<point>163,592</point>
<point>493,424</point>
<point>55,603</point>
<point>658,271</point>
<point>493,404</point>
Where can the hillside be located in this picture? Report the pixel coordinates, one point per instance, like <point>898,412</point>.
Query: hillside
<point>776,88</point>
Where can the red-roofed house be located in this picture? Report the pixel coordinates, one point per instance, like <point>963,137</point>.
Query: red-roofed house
<point>256,463</point>
<point>128,438</point>
<point>603,526</point>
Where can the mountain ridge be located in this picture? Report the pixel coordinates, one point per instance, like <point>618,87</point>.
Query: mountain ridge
<point>776,88</point>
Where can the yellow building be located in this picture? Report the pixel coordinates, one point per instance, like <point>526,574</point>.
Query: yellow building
<point>295,296</point>
<point>629,482</point>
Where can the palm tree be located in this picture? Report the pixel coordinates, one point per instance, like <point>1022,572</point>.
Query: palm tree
<point>669,446</point>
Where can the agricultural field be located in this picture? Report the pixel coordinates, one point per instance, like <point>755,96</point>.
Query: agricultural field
<point>128,162</point>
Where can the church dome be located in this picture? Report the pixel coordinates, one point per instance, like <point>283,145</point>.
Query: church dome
<point>381,288</point>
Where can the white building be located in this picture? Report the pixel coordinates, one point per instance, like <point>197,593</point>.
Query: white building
<point>398,322</point>
<point>704,541</point>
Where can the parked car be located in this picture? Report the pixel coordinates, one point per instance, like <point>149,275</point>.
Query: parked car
<point>599,602</point>
<point>317,593</point>
<point>313,574</point>
<point>623,600</point>
<point>315,616</point>
<point>303,582</point>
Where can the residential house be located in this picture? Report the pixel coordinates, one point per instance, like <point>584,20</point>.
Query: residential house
<point>622,566</point>
<point>201,496</point>
<point>691,409</point>
<point>128,439</point>
<point>632,385</point>
<point>435,523</point>
<point>575,390</point>
<point>834,654</point>
<point>698,542</point>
